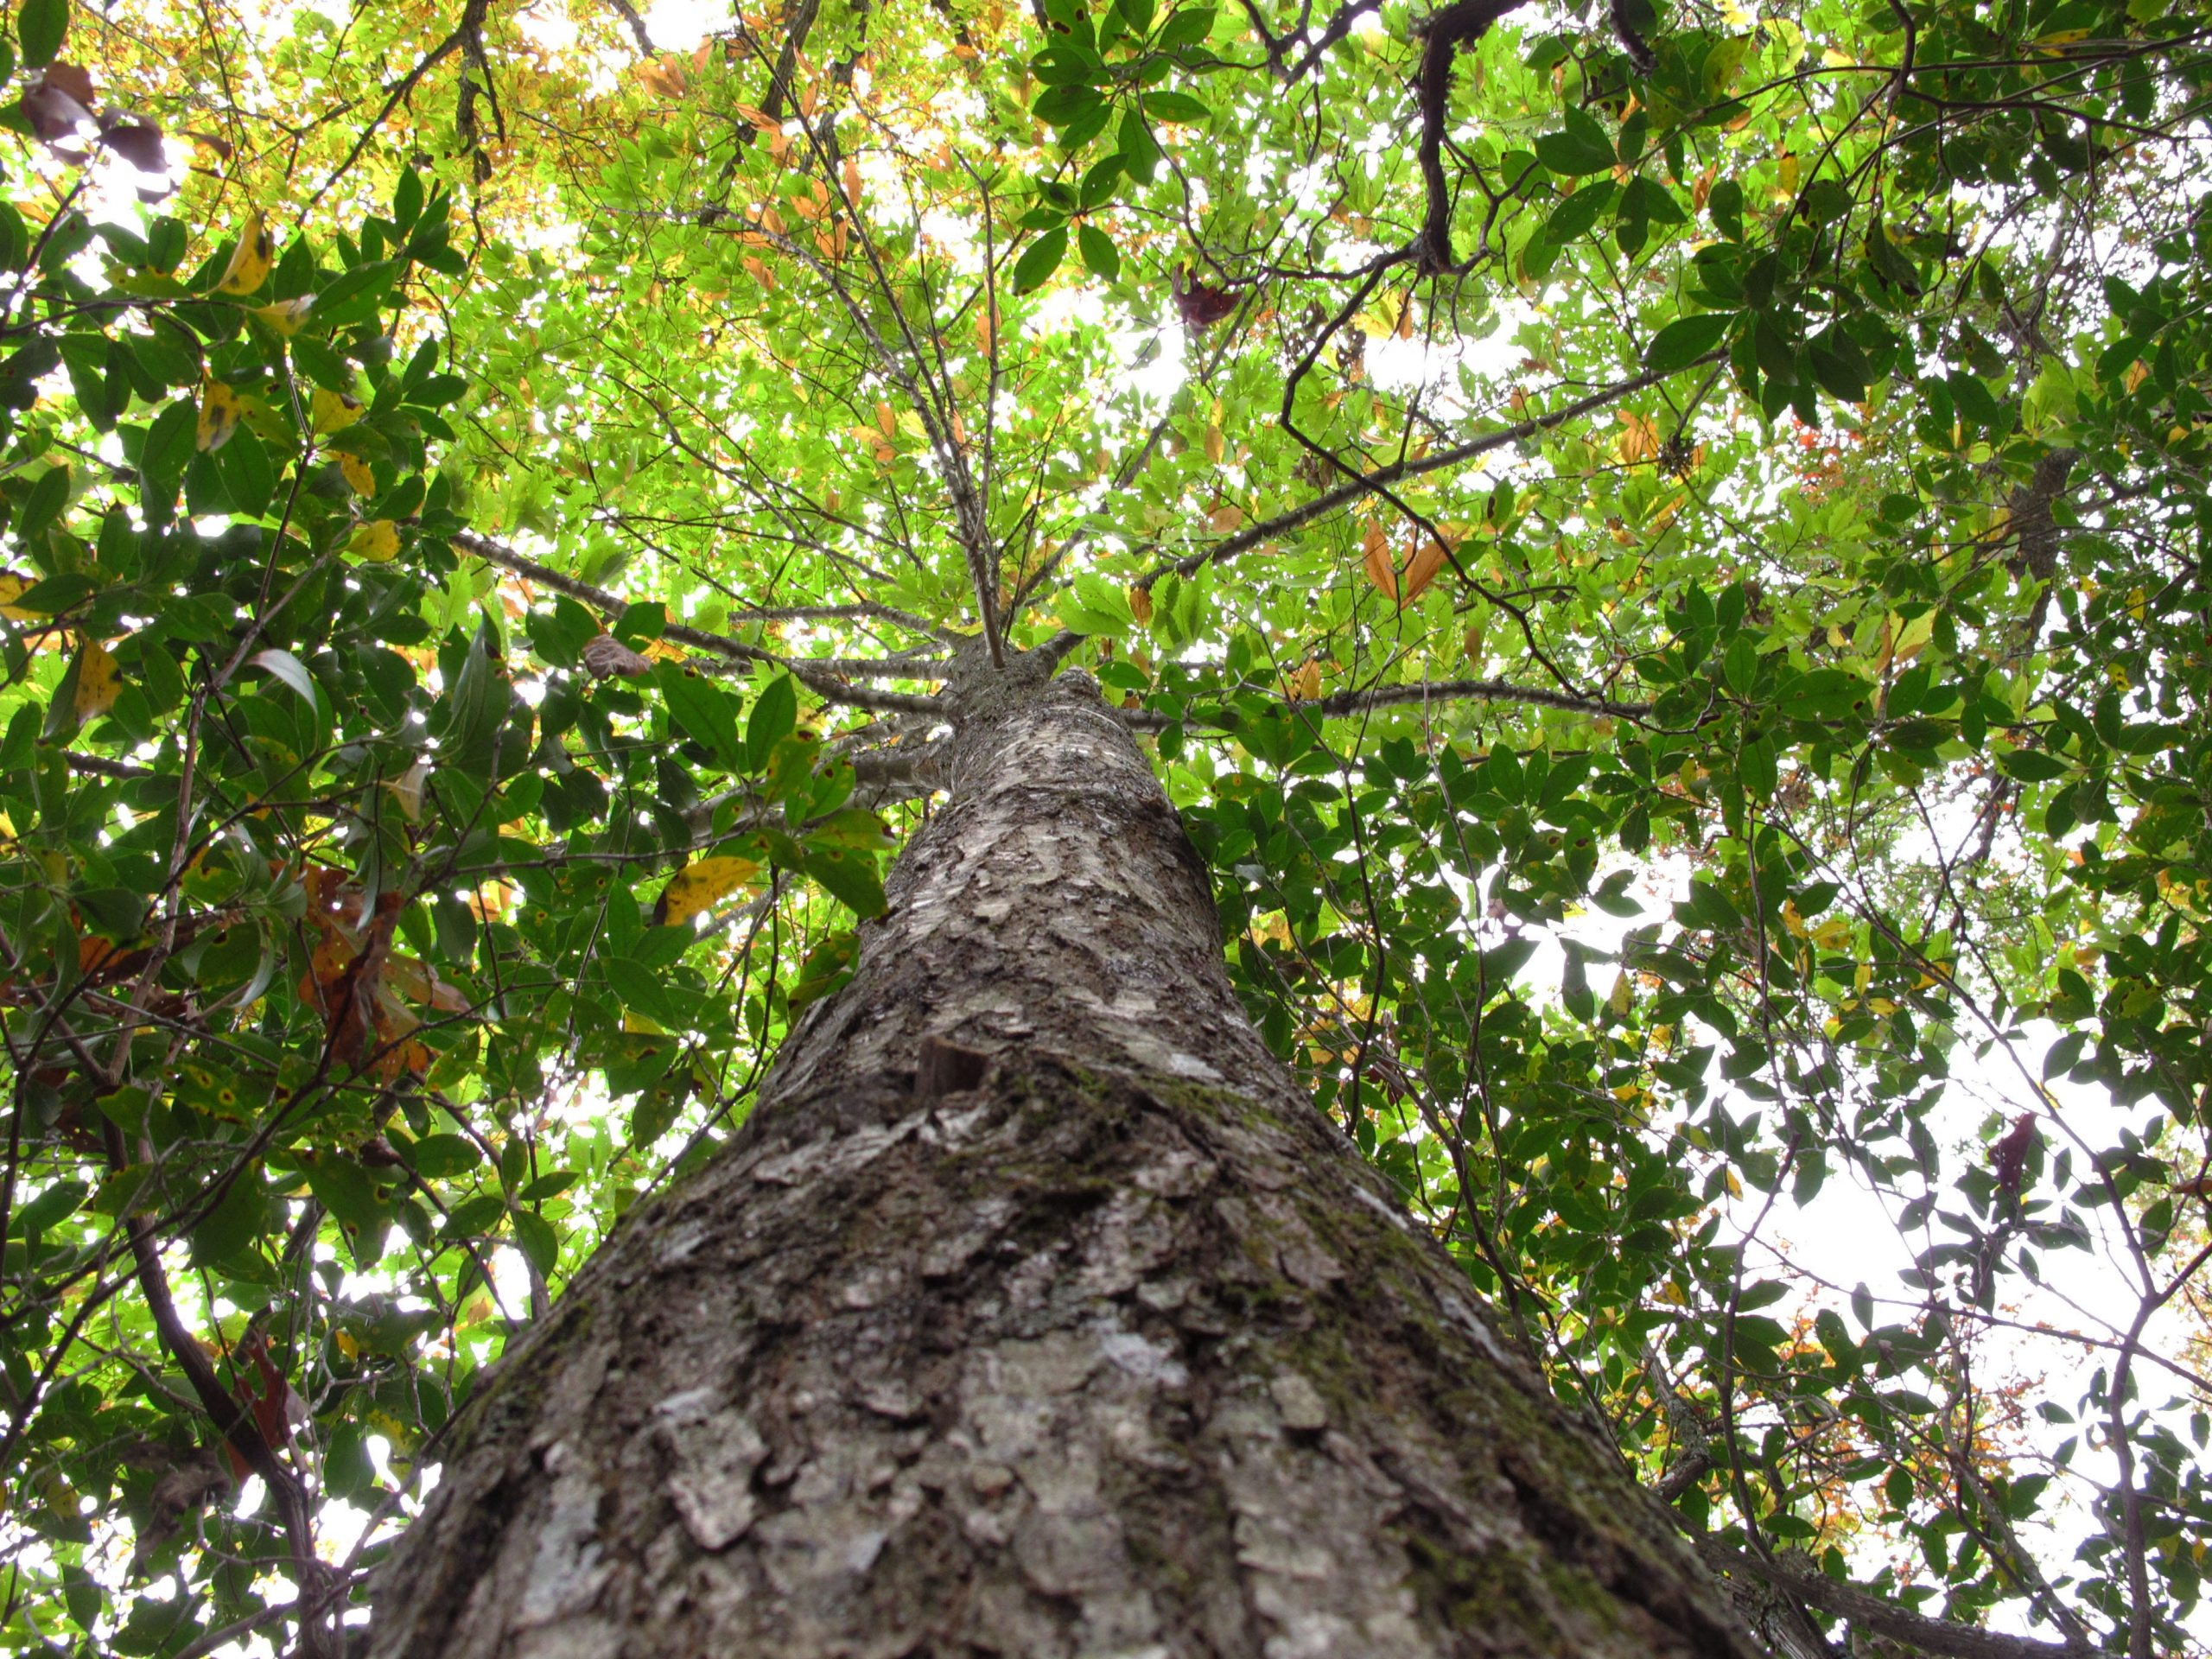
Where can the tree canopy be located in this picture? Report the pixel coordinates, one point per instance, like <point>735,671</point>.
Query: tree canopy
<point>1659,551</point>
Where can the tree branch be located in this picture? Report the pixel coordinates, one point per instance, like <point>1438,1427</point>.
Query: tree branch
<point>628,14</point>
<point>1877,1614</point>
<point>1342,703</point>
<point>824,685</point>
<point>1462,23</point>
<point>471,24</point>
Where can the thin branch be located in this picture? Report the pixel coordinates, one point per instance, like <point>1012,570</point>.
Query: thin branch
<point>472,23</point>
<point>1342,703</point>
<point>825,686</point>
<point>1343,495</point>
<point>1877,1614</point>
<point>628,14</point>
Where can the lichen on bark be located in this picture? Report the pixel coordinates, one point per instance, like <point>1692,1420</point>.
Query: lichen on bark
<point>1119,1351</point>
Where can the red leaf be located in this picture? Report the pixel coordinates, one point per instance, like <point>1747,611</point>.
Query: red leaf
<point>58,106</point>
<point>137,140</point>
<point>1201,303</point>
<point>2009,1157</point>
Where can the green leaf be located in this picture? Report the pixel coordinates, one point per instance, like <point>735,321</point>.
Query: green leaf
<point>169,450</point>
<point>356,294</point>
<point>538,1239</point>
<point>1570,158</point>
<point>1099,252</point>
<point>1685,340</point>
<point>2031,766</point>
<point>826,967</point>
<point>703,711</point>
<point>56,1205</point>
<point>849,876</point>
<point>1189,27</point>
<point>1138,149</point>
<point>117,913</point>
<point>1175,106</point>
<point>235,1222</point>
<point>441,1157</point>
<point>41,26</point>
<point>288,668</point>
<point>1838,366</point>
<point>775,717</point>
<point>1577,215</point>
<point>1040,259</point>
<point>49,494</point>
<point>1062,106</point>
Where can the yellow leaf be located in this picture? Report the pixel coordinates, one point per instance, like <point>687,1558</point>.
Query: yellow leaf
<point>333,412</point>
<point>346,1345</point>
<point>13,587</point>
<point>1833,935</point>
<point>377,541</point>
<point>886,420</point>
<point>285,316</point>
<point>1141,605</point>
<point>98,681</point>
<point>1623,993</point>
<point>355,471</point>
<point>852,180</point>
<point>1639,439</point>
<point>700,885</point>
<point>407,790</point>
<point>219,409</point>
<point>250,259</point>
<point>1305,684</point>
<point>1215,446</point>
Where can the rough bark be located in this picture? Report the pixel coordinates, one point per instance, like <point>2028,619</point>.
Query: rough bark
<point>1035,1311</point>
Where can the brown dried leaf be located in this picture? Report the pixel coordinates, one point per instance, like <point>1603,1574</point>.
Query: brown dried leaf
<point>606,657</point>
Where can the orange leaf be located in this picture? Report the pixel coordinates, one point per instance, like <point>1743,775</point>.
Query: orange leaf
<point>1421,570</point>
<point>1375,557</point>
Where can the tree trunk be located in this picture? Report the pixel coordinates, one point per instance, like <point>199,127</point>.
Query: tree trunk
<point>1035,1311</point>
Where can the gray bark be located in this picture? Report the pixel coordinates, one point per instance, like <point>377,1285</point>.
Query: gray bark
<point>1035,1311</point>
